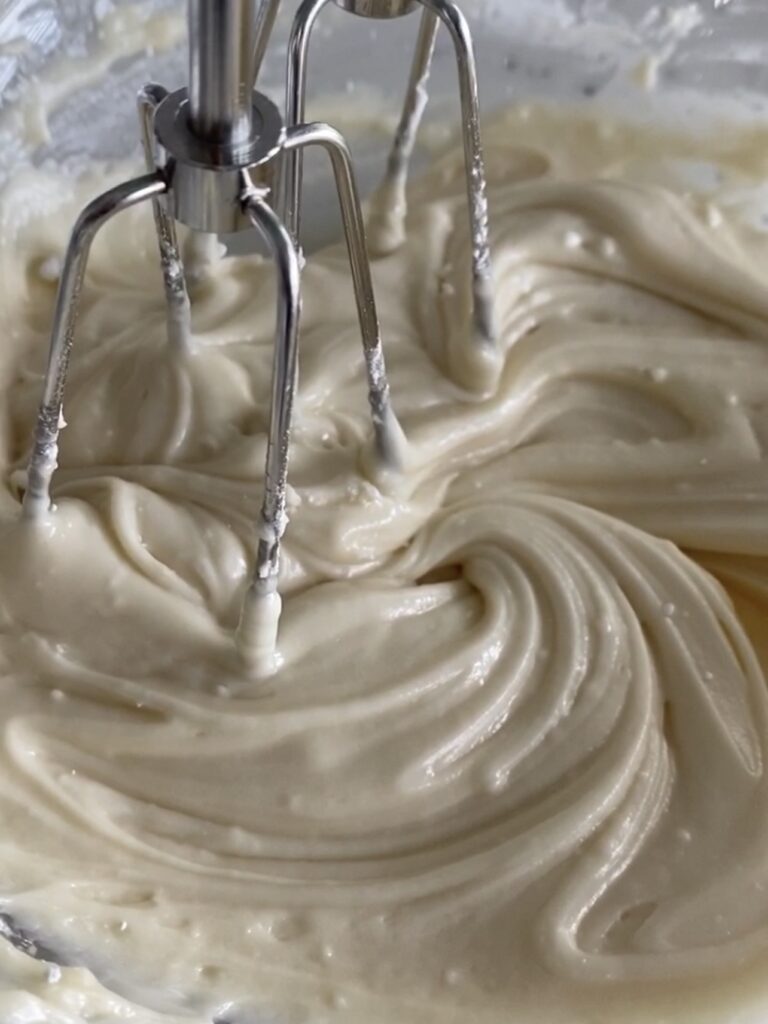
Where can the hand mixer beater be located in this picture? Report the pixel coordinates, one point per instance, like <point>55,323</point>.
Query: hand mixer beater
<point>221,158</point>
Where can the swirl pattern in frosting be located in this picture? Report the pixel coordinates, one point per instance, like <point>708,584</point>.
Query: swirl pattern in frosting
<point>513,764</point>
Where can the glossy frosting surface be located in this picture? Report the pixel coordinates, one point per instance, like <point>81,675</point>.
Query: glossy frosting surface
<point>514,757</point>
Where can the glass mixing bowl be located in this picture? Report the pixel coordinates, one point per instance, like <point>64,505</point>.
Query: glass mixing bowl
<point>679,61</point>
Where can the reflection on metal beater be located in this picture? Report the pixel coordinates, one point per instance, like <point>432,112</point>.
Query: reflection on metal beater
<point>390,206</point>
<point>215,154</point>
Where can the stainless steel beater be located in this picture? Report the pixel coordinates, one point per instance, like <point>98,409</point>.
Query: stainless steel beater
<point>433,13</point>
<point>220,158</point>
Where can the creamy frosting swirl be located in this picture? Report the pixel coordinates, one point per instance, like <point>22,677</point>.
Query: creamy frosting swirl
<point>514,755</point>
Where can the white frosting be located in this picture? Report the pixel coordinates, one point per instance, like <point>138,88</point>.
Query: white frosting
<point>257,632</point>
<point>512,761</point>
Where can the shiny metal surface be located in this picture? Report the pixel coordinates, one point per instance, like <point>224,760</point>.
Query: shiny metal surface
<point>42,464</point>
<point>447,12</point>
<point>179,313</point>
<point>378,8</point>
<point>327,138</point>
<point>296,108</point>
<point>205,179</point>
<point>221,43</point>
<point>477,188</point>
<point>284,368</point>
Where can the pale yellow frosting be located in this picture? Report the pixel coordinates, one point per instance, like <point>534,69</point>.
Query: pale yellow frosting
<point>512,765</point>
